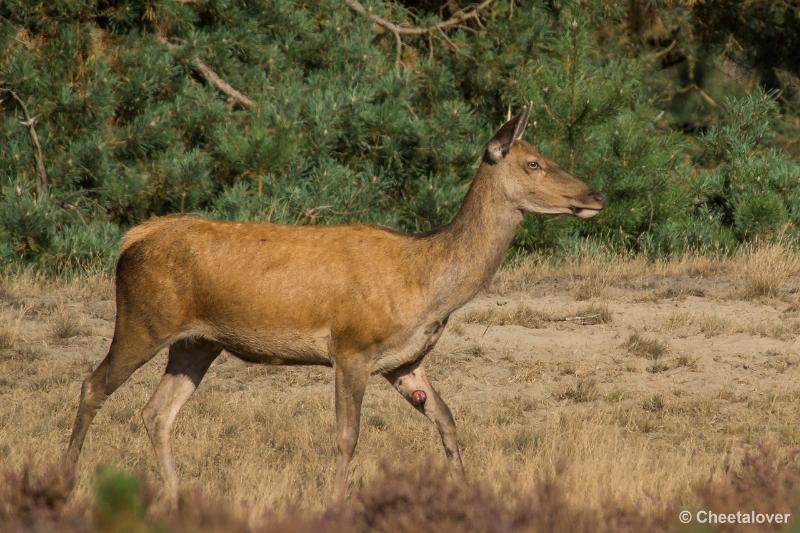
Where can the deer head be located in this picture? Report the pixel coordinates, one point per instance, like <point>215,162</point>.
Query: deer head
<point>532,182</point>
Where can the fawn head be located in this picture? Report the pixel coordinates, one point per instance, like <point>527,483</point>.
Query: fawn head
<point>532,182</point>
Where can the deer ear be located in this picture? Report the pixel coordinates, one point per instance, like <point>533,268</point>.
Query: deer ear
<point>498,147</point>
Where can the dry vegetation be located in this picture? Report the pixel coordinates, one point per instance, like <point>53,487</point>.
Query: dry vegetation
<point>395,500</point>
<point>644,347</point>
<point>649,405</point>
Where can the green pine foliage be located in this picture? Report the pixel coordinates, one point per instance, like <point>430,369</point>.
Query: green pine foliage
<point>750,189</point>
<point>595,119</point>
<point>339,133</point>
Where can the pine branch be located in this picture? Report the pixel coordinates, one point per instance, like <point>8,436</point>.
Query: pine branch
<point>221,85</point>
<point>693,87</point>
<point>208,74</point>
<point>398,31</point>
<point>30,122</point>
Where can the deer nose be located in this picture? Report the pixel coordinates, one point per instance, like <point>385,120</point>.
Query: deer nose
<point>598,197</point>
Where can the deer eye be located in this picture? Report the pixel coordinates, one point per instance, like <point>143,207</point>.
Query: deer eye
<point>533,165</point>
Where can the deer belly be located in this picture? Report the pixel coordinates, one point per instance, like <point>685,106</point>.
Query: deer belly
<point>279,349</point>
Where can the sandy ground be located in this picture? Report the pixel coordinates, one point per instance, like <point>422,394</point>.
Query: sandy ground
<point>626,379</point>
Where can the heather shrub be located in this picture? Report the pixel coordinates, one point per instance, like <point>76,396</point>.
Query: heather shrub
<point>401,500</point>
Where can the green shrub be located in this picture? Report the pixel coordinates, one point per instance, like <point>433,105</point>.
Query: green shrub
<point>120,503</point>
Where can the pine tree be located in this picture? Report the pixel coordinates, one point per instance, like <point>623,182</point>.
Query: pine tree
<point>335,127</point>
<point>750,190</point>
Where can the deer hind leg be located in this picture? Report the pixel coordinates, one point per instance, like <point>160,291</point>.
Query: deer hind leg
<point>129,350</point>
<point>413,385</point>
<point>351,382</point>
<point>187,364</point>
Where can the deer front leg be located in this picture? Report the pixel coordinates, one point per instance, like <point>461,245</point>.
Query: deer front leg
<point>351,381</point>
<point>413,385</point>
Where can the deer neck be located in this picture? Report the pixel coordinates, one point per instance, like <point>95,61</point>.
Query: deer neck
<point>472,246</point>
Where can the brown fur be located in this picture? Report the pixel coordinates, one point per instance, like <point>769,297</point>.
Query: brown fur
<point>363,299</point>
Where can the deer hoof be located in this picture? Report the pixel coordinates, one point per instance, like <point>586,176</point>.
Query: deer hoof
<point>418,398</point>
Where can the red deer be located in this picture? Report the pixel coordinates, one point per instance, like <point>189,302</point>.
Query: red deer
<point>362,299</point>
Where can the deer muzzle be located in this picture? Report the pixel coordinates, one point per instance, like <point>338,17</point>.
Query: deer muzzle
<point>591,204</point>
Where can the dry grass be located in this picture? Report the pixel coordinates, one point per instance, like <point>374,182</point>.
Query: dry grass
<point>784,328</point>
<point>399,500</point>
<point>654,403</point>
<point>10,325</point>
<point>556,400</point>
<point>710,324</point>
<point>767,270</point>
<point>594,286</point>
<point>520,315</point>
<point>526,316</point>
<point>688,323</point>
<point>686,361</point>
<point>658,366</point>
<point>593,274</point>
<point>66,323</point>
<point>763,271</point>
<point>645,347</point>
<point>583,390</point>
<point>592,314</point>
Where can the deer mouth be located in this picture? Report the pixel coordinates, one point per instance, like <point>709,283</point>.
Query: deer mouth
<point>593,203</point>
<point>584,212</point>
